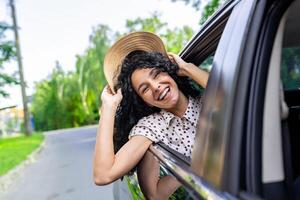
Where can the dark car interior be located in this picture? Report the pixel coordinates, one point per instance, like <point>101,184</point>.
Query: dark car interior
<point>290,77</point>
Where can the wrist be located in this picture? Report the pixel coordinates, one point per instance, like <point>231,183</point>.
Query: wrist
<point>187,69</point>
<point>107,109</point>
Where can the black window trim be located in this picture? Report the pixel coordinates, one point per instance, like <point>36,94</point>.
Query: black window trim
<point>210,32</point>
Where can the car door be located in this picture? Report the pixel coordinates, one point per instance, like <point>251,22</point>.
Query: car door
<point>231,144</point>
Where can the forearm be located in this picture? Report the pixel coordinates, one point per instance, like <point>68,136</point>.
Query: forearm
<point>166,186</point>
<point>198,75</point>
<point>152,186</point>
<point>109,166</point>
<point>104,149</point>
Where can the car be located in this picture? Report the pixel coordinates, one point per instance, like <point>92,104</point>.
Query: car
<point>247,144</point>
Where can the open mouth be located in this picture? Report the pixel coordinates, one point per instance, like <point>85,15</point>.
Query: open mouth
<point>163,94</point>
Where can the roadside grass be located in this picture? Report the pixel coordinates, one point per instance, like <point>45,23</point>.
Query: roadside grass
<point>15,150</point>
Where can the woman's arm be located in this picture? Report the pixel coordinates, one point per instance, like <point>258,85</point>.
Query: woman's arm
<point>189,69</point>
<point>148,176</point>
<point>107,166</point>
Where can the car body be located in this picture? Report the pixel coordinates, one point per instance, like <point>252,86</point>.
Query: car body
<point>247,142</point>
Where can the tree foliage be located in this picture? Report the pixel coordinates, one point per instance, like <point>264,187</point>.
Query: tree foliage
<point>48,108</point>
<point>72,99</point>
<point>209,9</point>
<point>290,68</point>
<point>195,3</point>
<point>174,39</point>
<point>7,52</point>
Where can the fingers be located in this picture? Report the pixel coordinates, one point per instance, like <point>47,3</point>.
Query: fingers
<point>119,92</point>
<point>174,57</point>
<point>109,99</point>
<point>108,89</point>
<point>171,57</point>
<point>171,53</point>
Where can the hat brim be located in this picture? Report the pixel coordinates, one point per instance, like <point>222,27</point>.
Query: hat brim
<point>145,41</point>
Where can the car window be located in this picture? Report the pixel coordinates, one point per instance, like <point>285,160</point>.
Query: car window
<point>207,63</point>
<point>290,68</point>
<point>290,78</point>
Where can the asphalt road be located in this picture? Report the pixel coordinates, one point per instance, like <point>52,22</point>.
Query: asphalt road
<point>62,171</point>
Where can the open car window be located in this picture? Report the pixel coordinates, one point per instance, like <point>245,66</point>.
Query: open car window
<point>207,64</point>
<point>290,68</point>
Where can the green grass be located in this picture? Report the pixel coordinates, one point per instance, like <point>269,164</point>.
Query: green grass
<point>15,150</point>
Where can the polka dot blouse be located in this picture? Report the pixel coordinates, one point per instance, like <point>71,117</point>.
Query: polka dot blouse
<point>177,133</point>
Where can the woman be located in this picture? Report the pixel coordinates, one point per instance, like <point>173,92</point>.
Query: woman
<point>155,90</point>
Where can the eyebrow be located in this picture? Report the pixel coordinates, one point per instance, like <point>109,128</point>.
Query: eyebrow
<point>152,71</point>
<point>150,74</point>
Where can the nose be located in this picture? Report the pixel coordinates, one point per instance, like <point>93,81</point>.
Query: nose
<point>155,85</point>
<point>157,88</point>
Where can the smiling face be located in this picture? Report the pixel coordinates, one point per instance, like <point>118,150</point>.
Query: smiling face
<point>155,87</point>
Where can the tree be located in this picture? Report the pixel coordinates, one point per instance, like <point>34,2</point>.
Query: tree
<point>290,68</point>
<point>209,9</point>
<point>27,128</point>
<point>7,53</point>
<point>177,38</point>
<point>72,99</point>
<point>195,3</point>
<point>152,24</point>
<point>174,39</point>
<point>48,107</point>
<point>89,72</point>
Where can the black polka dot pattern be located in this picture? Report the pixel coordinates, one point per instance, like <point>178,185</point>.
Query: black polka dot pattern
<point>178,133</point>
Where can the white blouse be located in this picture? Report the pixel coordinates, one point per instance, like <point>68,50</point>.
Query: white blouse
<point>177,133</point>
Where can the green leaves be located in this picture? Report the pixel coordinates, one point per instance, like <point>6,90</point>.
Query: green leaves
<point>209,9</point>
<point>290,68</point>
<point>151,24</point>
<point>174,39</point>
<point>71,99</point>
<point>7,52</point>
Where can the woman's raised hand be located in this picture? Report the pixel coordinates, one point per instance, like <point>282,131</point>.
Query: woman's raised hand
<point>110,100</point>
<point>182,71</point>
<point>189,69</point>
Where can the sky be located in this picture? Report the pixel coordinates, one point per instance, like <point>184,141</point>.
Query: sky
<point>59,30</point>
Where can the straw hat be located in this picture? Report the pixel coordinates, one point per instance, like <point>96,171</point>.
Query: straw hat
<point>144,41</point>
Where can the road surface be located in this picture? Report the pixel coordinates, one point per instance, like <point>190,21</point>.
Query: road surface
<point>62,171</point>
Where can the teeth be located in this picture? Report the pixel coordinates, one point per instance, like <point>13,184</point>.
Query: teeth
<point>163,94</point>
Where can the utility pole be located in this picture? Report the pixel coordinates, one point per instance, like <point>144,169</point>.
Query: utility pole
<point>19,57</point>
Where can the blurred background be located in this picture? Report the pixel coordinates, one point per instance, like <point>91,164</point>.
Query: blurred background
<point>51,77</point>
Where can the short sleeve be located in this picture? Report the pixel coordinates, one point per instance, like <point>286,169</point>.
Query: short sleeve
<point>199,100</point>
<point>143,131</point>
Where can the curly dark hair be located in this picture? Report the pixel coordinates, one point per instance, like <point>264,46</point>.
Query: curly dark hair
<point>132,108</point>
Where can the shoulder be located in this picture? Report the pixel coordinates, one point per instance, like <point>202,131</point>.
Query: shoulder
<point>151,120</point>
<point>149,127</point>
<point>197,101</point>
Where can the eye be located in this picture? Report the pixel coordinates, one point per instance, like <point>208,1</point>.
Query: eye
<point>145,89</point>
<point>157,72</point>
